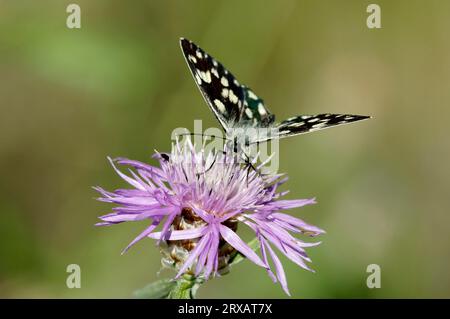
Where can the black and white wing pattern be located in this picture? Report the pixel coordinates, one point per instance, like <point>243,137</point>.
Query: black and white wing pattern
<point>255,112</point>
<point>303,124</point>
<point>233,104</point>
<point>237,106</point>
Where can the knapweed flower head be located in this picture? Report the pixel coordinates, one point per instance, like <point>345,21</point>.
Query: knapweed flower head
<point>195,201</point>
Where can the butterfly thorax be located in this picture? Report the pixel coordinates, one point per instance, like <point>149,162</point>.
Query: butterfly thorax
<point>241,138</point>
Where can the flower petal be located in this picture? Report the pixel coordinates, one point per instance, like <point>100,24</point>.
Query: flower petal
<point>194,254</point>
<point>165,232</point>
<point>290,253</point>
<point>202,259</point>
<point>264,256</point>
<point>237,243</point>
<point>203,215</point>
<point>293,203</point>
<point>118,217</point>
<point>212,251</point>
<point>279,270</point>
<point>181,234</point>
<point>129,180</point>
<point>139,165</point>
<point>298,223</point>
<point>142,235</point>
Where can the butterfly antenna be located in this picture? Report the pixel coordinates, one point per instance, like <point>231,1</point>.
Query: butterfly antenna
<point>203,135</point>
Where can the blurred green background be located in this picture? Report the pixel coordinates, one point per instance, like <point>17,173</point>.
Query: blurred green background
<point>119,85</point>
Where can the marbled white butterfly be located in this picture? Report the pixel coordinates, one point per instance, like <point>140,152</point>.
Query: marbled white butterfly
<point>240,111</point>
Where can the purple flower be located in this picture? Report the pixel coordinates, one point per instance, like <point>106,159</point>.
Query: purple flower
<point>198,199</point>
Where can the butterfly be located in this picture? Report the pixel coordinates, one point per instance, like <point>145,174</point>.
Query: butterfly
<point>243,115</point>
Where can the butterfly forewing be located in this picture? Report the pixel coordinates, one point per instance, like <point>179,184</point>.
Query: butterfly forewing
<point>221,90</point>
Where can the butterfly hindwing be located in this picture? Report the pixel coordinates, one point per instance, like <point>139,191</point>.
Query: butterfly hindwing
<point>254,111</point>
<point>309,123</point>
<point>219,87</point>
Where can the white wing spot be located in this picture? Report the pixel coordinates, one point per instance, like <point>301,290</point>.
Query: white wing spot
<point>205,76</point>
<point>252,95</point>
<point>236,82</point>
<point>199,54</point>
<point>261,109</point>
<point>224,81</point>
<point>249,113</point>
<point>319,125</point>
<point>313,120</point>
<point>192,58</point>
<point>233,98</point>
<point>225,93</point>
<point>215,63</point>
<point>214,71</point>
<point>219,105</point>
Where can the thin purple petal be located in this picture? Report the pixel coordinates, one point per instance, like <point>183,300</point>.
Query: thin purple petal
<point>237,243</point>
<point>142,235</point>
<point>181,234</point>
<point>279,270</point>
<point>194,254</point>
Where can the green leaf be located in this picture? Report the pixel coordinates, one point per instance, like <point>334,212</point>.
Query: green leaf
<point>157,290</point>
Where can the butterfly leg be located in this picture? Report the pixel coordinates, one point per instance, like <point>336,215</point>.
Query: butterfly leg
<point>249,166</point>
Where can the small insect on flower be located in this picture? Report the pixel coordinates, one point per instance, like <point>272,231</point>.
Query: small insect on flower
<point>198,199</point>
